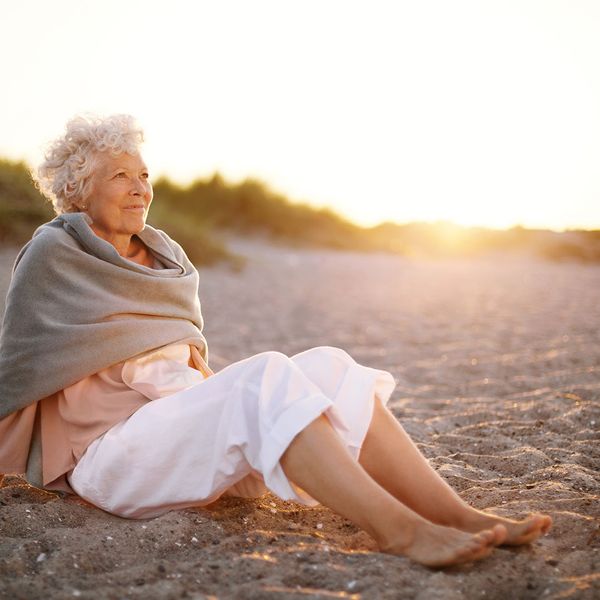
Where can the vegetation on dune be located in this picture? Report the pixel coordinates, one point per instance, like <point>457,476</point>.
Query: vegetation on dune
<point>197,216</point>
<point>251,207</point>
<point>22,207</point>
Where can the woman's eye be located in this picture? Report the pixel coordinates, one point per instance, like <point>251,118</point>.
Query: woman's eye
<point>121,174</point>
<point>145,175</point>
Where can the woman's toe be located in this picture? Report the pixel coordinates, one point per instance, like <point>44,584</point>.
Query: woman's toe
<point>500,534</point>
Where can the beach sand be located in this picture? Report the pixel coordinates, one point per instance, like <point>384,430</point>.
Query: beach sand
<point>498,368</point>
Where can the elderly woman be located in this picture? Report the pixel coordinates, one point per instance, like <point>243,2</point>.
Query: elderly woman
<point>106,391</point>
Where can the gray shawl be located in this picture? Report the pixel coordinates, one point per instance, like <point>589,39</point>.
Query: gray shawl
<point>75,307</point>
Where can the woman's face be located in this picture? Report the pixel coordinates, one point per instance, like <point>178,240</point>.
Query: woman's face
<point>121,196</point>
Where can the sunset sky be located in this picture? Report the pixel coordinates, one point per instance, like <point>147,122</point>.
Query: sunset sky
<point>479,112</point>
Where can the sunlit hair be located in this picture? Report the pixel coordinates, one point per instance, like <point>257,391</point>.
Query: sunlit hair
<point>65,175</point>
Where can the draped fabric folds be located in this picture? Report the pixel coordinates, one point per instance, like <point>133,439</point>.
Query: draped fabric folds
<point>75,307</point>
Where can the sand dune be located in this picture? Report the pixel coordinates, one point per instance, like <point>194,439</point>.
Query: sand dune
<point>498,370</point>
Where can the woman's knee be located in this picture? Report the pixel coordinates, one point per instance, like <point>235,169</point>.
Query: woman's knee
<point>325,354</point>
<point>271,358</point>
<point>268,367</point>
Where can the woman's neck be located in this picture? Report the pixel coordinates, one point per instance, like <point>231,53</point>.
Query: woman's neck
<point>122,243</point>
<point>139,253</point>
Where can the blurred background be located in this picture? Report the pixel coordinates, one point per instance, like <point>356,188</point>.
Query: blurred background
<point>425,128</point>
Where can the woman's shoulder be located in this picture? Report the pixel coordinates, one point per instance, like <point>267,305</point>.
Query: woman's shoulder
<point>44,243</point>
<point>160,241</point>
<point>49,234</point>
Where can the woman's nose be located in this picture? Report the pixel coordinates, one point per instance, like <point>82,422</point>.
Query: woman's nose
<point>138,188</point>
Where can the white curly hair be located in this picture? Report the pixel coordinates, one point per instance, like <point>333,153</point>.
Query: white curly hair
<point>65,175</point>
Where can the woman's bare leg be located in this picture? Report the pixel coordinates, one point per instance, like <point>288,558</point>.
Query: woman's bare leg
<point>319,463</point>
<point>392,459</point>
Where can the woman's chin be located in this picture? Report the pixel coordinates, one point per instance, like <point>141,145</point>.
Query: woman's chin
<point>134,226</point>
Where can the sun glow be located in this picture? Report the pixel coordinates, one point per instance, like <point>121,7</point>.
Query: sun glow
<point>476,113</point>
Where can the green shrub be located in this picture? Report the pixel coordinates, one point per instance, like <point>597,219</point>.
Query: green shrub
<point>22,207</point>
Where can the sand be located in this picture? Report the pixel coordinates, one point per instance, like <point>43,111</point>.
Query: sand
<point>498,369</point>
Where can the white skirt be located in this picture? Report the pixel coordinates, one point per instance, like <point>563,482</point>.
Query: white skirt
<point>228,433</point>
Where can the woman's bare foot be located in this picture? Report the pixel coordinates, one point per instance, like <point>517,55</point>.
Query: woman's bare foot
<point>518,532</point>
<point>438,546</point>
